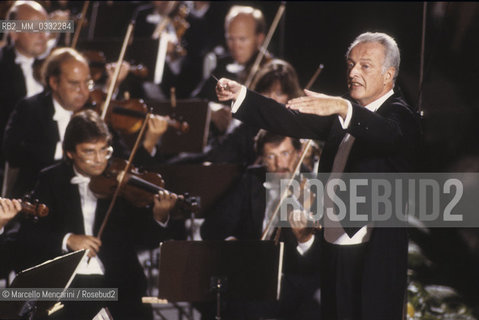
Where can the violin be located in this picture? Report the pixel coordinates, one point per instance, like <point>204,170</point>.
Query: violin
<point>140,187</point>
<point>181,25</point>
<point>97,62</point>
<point>174,14</point>
<point>127,116</point>
<point>35,209</point>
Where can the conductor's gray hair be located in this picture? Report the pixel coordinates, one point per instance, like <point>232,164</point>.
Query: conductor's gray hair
<point>391,49</point>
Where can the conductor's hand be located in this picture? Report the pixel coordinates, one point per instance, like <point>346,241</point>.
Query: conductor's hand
<point>8,210</point>
<point>227,89</point>
<point>81,241</point>
<point>319,104</point>
<point>164,202</point>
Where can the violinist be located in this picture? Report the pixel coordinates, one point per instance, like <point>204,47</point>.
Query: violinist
<point>76,214</point>
<point>35,131</point>
<point>195,28</point>
<point>244,214</point>
<point>17,59</point>
<point>244,34</point>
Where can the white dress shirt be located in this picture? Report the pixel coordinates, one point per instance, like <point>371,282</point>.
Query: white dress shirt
<point>88,207</point>
<point>62,117</point>
<point>33,86</point>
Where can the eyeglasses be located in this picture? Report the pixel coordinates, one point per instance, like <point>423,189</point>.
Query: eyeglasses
<point>76,85</point>
<point>272,157</point>
<point>89,155</point>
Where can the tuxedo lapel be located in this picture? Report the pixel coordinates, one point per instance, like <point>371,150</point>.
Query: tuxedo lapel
<point>70,196</point>
<point>51,125</point>
<point>258,208</point>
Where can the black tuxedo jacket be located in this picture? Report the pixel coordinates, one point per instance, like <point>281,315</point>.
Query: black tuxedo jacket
<point>128,228</point>
<point>386,141</point>
<point>30,139</point>
<point>12,85</point>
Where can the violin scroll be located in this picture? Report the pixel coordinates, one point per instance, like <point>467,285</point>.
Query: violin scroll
<point>34,208</point>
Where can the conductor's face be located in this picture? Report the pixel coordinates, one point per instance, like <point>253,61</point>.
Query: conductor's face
<point>72,87</point>
<point>91,158</point>
<point>280,158</point>
<point>242,39</point>
<point>367,81</point>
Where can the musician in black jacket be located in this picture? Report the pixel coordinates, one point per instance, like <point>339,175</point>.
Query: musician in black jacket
<point>76,214</point>
<point>244,213</point>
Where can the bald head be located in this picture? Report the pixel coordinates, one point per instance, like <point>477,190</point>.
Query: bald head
<point>244,34</point>
<point>29,44</point>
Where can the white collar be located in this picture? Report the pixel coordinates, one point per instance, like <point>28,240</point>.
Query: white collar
<point>373,106</point>
<point>60,112</point>
<point>79,178</point>
<point>22,59</point>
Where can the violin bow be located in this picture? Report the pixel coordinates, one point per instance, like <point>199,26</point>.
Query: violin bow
<point>266,231</point>
<point>302,156</point>
<point>264,46</point>
<point>113,82</point>
<point>122,177</point>
<point>80,24</point>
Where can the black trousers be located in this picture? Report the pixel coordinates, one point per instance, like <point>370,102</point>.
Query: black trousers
<point>341,279</point>
<point>365,281</point>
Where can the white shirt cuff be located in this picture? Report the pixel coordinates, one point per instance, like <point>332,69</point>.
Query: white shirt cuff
<point>153,152</point>
<point>175,66</point>
<point>303,247</point>
<point>345,122</point>
<point>236,104</point>
<point>163,224</point>
<point>1,230</point>
<point>64,242</point>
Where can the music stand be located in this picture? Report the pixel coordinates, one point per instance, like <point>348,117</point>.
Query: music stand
<point>55,273</point>
<point>195,271</point>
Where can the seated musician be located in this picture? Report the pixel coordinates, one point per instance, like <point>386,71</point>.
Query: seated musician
<point>244,33</point>
<point>76,214</point>
<point>36,128</point>
<point>244,214</point>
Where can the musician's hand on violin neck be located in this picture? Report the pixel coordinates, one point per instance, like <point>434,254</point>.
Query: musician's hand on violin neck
<point>157,126</point>
<point>164,201</point>
<point>8,210</point>
<point>299,224</point>
<point>227,89</point>
<point>81,241</point>
<point>110,69</point>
